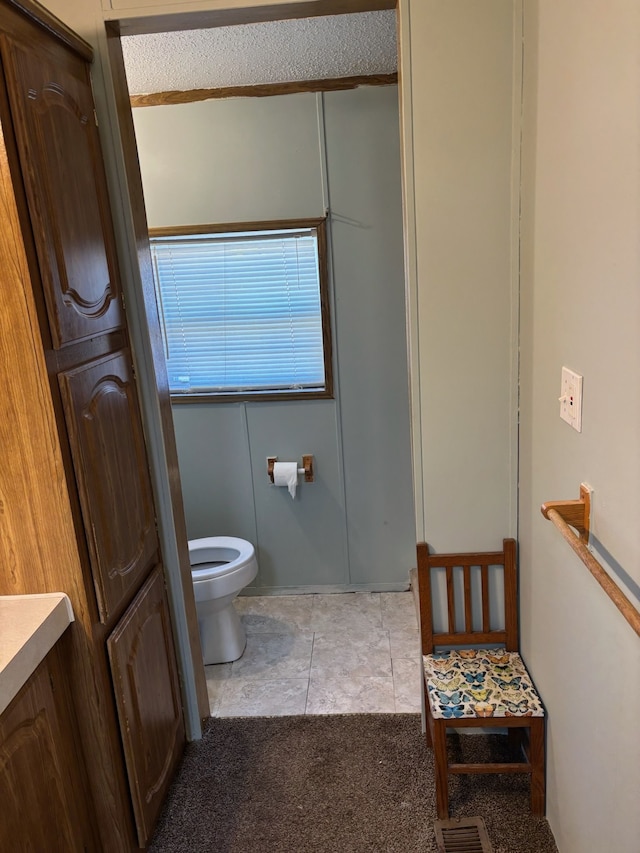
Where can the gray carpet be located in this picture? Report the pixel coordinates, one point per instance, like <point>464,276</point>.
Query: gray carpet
<point>352,783</point>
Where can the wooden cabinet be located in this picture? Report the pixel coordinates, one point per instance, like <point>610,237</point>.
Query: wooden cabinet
<point>42,778</point>
<point>78,512</point>
<point>148,699</point>
<point>54,120</point>
<point>110,464</point>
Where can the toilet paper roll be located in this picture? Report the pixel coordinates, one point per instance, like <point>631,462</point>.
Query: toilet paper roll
<point>286,474</point>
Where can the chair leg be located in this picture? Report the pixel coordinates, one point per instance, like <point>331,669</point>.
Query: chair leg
<point>441,768</point>
<point>537,761</point>
<point>428,719</point>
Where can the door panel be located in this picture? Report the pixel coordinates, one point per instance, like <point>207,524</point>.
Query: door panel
<point>64,178</point>
<point>148,699</point>
<point>108,451</point>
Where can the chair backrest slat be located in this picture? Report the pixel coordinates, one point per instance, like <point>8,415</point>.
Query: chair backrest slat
<point>468,614</point>
<point>451,637</point>
<point>486,613</point>
<point>451,600</point>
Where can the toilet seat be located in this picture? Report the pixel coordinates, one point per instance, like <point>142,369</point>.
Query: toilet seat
<point>217,556</point>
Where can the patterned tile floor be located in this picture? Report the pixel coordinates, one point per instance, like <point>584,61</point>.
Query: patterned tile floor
<point>321,654</point>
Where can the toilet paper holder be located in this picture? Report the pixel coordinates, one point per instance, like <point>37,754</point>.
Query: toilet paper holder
<point>307,467</point>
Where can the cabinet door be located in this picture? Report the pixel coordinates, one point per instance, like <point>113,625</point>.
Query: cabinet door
<point>43,796</point>
<point>54,120</point>
<point>147,695</point>
<point>110,462</point>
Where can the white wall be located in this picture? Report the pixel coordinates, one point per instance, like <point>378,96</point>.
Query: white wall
<point>581,308</point>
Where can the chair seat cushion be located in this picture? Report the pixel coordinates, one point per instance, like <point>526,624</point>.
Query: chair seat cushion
<point>479,683</point>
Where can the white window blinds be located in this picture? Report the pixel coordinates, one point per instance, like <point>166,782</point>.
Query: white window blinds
<point>241,312</point>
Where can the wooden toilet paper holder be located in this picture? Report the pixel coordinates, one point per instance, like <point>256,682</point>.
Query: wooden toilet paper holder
<point>307,467</point>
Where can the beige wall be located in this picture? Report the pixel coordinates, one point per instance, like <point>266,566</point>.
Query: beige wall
<point>460,74</point>
<point>581,308</point>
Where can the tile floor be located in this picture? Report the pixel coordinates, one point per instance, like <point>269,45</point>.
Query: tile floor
<point>321,654</point>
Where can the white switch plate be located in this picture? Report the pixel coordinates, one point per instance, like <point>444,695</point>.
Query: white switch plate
<point>571,398</point>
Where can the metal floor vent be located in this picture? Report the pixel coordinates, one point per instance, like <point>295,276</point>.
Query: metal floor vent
<point>463,835</point>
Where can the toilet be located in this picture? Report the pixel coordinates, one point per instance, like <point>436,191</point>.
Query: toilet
<point>220,567</point>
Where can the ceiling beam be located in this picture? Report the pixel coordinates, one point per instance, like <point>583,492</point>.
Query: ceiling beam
<point>265,90</point>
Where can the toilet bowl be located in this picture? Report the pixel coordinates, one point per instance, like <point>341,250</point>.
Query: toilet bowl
<point>220,567</point>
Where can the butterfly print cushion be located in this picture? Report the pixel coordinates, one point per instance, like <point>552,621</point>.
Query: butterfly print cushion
<point>480,683</point>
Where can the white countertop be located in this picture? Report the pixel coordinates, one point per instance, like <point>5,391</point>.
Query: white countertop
<point>30,625</point>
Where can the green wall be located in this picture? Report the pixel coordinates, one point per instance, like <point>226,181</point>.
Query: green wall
<point>278,158</point>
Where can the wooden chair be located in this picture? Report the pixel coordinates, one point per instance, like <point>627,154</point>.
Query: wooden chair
<point>478,687</point>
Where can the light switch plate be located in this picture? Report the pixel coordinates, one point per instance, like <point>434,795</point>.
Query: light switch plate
<point>571,398</point>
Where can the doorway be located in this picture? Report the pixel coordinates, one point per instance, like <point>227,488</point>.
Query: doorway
<point>261,159</point>
<point>370,465</point>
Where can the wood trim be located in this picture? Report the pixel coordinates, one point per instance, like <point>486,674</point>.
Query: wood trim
<point>158,23</point>
<point>138,212</point>
<point>224,227</point>
<point>257,397</point>
<point>43,18</point>
<point>323,269</point>
<point>265,90</point>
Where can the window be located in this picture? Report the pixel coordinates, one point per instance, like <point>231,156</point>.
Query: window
<point>244,310</point>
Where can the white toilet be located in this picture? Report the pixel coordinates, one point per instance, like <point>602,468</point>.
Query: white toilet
<point>220,567</point>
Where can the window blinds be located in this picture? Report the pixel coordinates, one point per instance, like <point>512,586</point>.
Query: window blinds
<point>241,312</point>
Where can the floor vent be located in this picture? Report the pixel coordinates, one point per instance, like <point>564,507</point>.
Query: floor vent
<point>463,835</point>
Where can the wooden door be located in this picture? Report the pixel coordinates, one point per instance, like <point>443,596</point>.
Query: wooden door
<point>148,699</point>
<point>107,444</point>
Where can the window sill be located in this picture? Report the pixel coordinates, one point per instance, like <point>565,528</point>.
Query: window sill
<point>256,397</point>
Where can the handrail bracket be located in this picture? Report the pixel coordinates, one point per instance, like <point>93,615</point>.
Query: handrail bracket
<point>576,513</point>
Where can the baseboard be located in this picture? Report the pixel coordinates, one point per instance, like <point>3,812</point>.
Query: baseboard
<point>326,589</point>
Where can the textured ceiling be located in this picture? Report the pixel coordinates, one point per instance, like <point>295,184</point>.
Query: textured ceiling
<point>275,52</point>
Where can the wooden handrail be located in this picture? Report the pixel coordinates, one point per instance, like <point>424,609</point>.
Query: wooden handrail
<point>576,514</point>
